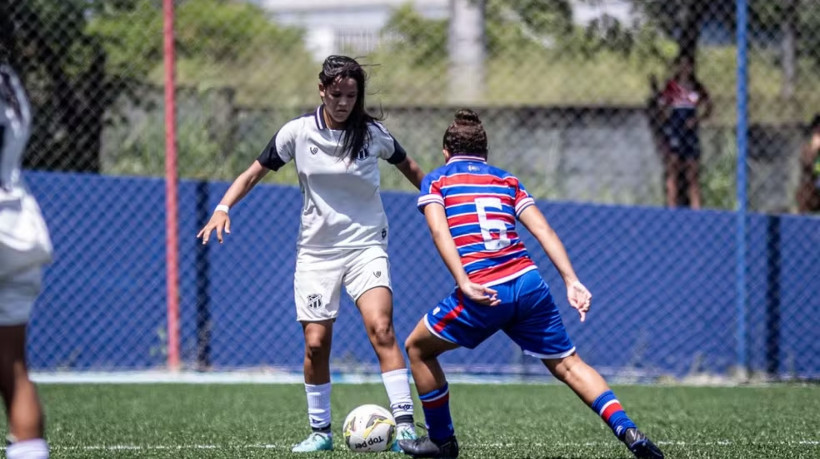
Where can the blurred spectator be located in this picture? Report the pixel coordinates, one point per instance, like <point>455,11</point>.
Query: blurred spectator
<point>684,102</point>
<point>808,191</point>
<point>655,117</point>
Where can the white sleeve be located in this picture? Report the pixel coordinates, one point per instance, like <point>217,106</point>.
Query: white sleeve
<point>388,147</point>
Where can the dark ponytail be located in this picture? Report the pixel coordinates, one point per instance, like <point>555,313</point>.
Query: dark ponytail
<point>356,128</point>
<point>466,135</point>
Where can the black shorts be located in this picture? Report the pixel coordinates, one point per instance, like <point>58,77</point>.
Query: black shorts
<point>683,141</point>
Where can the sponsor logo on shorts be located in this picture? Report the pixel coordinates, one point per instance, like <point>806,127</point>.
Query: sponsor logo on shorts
<point>377,274</point>
<point>314,301</point>
<point>314,149</point>
<point>384,233</point>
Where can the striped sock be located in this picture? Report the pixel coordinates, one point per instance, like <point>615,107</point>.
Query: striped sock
<point>436,406</point>
<point>611,411</point>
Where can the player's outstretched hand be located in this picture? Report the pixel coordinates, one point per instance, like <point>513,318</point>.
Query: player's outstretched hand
<point>480,294</point>
<point>579,298</point>
<point>219,222</point>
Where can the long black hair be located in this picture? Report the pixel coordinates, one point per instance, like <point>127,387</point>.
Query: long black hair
<point>466,135</point>
<point>356,128</point>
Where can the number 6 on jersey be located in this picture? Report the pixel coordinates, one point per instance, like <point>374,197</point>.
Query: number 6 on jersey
<point>487,225</point>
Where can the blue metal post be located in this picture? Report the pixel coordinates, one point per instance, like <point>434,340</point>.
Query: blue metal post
<point>742,136</point>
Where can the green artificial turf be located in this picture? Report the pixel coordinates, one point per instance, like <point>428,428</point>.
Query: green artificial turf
<point>492,421</point>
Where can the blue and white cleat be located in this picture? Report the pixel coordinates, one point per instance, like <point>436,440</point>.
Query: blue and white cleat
<point>316,441</point>
<point>403,432</point>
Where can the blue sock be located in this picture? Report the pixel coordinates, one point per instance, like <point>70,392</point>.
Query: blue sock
<point>436,406</point>
<point>609,409</point>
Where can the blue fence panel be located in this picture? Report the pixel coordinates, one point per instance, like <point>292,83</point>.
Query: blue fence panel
<point>662,281</point>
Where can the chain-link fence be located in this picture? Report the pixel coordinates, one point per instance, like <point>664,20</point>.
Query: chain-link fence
<point>581,99</point>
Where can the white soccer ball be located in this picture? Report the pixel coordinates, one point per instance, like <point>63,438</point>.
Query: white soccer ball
<point>369,428</point>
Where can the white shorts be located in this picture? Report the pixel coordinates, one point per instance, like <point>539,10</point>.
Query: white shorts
<point>17,295</point>
<point>318,281</point>
<point>24,239</point>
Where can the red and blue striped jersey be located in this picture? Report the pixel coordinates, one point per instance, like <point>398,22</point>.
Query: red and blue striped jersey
<point>482,203</point>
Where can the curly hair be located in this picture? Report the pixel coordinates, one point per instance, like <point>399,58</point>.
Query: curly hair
<point>466,135</point>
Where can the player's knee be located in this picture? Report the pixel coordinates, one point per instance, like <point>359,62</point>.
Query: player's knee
<point>412,348</point>
<point>316,350</point>
<point>382,335</point>
<point>563,368</point>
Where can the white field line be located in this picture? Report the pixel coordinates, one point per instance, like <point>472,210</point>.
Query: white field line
<point>283,377</point>
<point>227,377</point>
<point>725,443</point>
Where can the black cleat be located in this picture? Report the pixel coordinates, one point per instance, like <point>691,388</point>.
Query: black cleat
<point>641,446</point>
<point>424,447</point>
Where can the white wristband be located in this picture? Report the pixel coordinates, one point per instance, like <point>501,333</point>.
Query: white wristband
<point>222,208</point>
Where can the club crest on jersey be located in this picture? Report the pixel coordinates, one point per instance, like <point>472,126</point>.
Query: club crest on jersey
<point>314,301</point>
<point>314,149</point>
<point>362,154</point>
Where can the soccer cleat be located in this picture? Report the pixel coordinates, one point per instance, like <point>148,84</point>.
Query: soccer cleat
<point>403,432</point>
<point>641,446</point>
<point>316,441</point>
<point>424,447</point>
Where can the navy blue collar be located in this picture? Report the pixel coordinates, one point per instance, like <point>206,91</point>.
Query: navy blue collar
<point>319,117</point>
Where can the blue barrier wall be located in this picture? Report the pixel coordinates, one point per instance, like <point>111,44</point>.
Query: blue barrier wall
<point>662,280</point>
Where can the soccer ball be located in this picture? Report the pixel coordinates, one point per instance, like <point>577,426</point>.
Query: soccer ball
<point>369,428</point>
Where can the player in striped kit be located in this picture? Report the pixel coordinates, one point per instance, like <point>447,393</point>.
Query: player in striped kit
<point>471,208</point>
<point>25,247</point>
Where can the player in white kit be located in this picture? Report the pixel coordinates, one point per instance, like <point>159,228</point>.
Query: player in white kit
<point>343,235</point>
<point>24,248</point>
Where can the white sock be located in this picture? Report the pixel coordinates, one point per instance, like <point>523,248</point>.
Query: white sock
<point>397,384</point>
<point>318,401</point>
<point>36,448</point>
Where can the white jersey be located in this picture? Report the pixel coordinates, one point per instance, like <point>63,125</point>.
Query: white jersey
<point>24,239</point>
<point>342,207</point>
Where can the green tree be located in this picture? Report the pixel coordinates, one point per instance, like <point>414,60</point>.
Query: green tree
<point>64,69</point>
<point>78,56</point>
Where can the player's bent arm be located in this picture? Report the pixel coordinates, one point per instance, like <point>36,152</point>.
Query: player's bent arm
<point>244,183</point>
<point>412,171</point>
<point>239,188</point>
<point>440,231</point>
<point>578,295</point>
<point>536,223</point>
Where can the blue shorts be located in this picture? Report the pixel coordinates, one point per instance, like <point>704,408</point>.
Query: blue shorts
<point>527,314</point>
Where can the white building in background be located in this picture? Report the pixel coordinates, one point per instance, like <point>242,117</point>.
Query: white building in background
<point>333,25</point>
